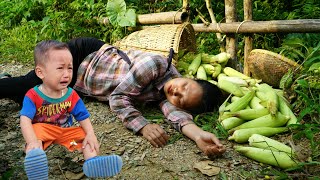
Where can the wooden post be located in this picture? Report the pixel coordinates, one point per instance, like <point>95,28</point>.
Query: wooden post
<point>247,8</point>
<point>214,21</point>
<point>231,41</point>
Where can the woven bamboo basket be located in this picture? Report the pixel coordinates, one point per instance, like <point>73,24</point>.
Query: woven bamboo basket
<point>159,39</point>
<point>269,66</point>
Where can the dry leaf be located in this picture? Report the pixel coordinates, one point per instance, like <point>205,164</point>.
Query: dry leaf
<point>207,168</point>
<point>71,175</point>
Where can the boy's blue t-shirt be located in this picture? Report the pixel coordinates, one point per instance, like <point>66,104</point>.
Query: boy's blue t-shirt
<point>43,109</point>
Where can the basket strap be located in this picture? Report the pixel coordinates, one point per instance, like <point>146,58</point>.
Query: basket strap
<point>127,59</point>
<point>170,58</point>
<point>124,56</point>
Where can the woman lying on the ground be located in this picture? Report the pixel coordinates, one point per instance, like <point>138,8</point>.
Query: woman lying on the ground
<point>125,77</point>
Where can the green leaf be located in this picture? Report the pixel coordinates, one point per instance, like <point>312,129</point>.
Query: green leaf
<point>286,79</point>
<point>295,42</point>
<point>303,83</point>
<point>129,19</point>
<point>309,134</point>
<point>115,9</point>
<point>305,98</point>
<point>315,66</point>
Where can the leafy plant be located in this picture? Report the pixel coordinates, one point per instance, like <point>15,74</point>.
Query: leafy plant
<point>209,122</point>
<point>119,15</point>
<point>310,131</point>
<point>303,86</point>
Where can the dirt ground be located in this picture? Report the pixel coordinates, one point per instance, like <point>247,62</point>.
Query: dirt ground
<point>176,160</point>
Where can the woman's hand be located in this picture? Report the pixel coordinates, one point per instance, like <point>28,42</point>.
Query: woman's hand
<point>206,141</point>
<point>209,144</point>
<point>155,135</point>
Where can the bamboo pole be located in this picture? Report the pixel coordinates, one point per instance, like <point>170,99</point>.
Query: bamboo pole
<point>172,17</point>
<point>202,18</point>
<point>248,40</point>
<point>185,6</point>
<point>214,21</point>
<point>231,42</point>
<point>273,26</point>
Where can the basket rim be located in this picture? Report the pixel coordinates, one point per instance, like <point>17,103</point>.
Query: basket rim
<point>276,55</point>
<point>176,36</point>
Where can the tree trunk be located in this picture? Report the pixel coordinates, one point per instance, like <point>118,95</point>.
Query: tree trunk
<point>231,42</point>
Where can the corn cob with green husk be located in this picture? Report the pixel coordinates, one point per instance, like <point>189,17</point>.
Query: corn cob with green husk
<point>224,115</point>
<point>212,70</point>
<point>188,58</point>
<point>209,68</point>
<point>242,135</point>
<point>223,106</point>
<point>279,92</point>
<point>234,73</point>
<point>217,70</point>
<point>201,73</point>
<point>193,67</point>
<point>181,53</point>
<point>235,80</point>
<point>255,103</point>
<point>218,58</point>
<point>264,121</point>
<point>234,98</point>
<point>206,58</point>
<point>230,87</point>
<point>245,90</point>
<point>231,122</point>
<point>241,103</point>
<point>182,66</point>
<point>213,82</point>
<point>249,114</point>
<point>272,97</point>
<point>253,82</point>
<point>286,110</point>
<point>275,158</point>
<point>221,58</point>
<point>245,114</point>
<point>260,141</point>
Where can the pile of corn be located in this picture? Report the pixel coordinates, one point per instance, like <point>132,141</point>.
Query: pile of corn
<point>253,104</point>
<point>202,66</point>
<point>253,108</point>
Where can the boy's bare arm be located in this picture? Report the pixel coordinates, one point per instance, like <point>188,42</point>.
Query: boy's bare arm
<point>29,134</point>
<point>90,138</point>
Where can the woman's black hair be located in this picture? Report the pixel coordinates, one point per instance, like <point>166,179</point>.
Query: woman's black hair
<point>211,99</point>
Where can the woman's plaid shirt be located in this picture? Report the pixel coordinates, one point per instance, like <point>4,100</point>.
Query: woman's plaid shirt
<point>106,76</point>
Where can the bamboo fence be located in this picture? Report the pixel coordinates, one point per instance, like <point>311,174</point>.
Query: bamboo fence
<point>231,27</point>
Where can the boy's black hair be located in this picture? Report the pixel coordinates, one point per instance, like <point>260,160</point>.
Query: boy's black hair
<point>211,99</point>
<point>42,48</point>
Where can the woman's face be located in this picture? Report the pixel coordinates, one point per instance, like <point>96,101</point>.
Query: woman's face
<point>183,92</point>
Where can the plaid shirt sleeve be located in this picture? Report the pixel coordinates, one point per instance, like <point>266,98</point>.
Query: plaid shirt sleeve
<point>142,73</point>
<point>175,116</point>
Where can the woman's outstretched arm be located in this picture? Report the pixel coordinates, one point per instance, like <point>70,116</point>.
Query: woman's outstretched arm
<point>206,141</point>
